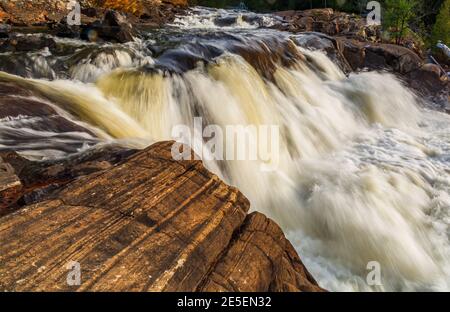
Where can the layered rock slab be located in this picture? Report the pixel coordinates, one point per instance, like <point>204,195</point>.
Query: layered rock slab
<point>147,224</point>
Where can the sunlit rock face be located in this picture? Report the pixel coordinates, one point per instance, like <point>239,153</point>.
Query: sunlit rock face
<point>39,12</point>
<point>153,225</point>
<point>363,167</point>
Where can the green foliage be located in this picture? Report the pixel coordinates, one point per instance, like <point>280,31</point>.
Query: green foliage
<point>397,17</point>
<point>441,30</point>
<point>405,19</point>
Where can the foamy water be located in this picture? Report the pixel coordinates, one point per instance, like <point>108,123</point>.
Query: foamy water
<point>364,172</point>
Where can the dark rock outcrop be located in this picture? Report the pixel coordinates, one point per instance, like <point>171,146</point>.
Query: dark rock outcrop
<point>425,79</point>
<point>39,179</point>
<point>113,27</point>
<point>329,22</point>
<point>10,186</point>
<point>16,102</point>
<point>428,79</point>
<point>26,43</point>
<point>148,223</point>
<point>359,55</point>
<point>4,31</point>
<point>24,114</point>
<point>54,12</point>
<point>353,56</point>
<point>378,56</point>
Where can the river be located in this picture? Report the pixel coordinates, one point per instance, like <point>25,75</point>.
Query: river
<point>363,172</point>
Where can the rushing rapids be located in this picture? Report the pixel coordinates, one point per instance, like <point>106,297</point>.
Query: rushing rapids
<point>364,171</point>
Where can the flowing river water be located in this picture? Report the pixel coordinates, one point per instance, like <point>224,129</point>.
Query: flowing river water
<point>364,170</point>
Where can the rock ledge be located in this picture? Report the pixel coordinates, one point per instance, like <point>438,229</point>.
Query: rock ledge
<point>148,223</point>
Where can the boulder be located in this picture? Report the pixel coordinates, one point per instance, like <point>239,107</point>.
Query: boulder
<point>428,79</point>
<point>64,30</point>
<point>26,43</point>
<point>377,56</point>
<point>353,52</point>
<point>113,27</point>
<point>325,43</point>
<point>148,223</point>
<point>40,178</point>
<point>10,186</point>
<point>306,23</point>
<point>316,41</point>
<point>400,59</point>
<point>329,22</point>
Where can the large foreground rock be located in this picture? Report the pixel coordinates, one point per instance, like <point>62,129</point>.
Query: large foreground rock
<point>148,224</point>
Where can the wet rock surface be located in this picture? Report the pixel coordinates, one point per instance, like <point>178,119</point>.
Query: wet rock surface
<point>27,120</point>
<point>148,223</point>
<point>26,43</point>
<point>113,27</point>
<point>17,102</point>
<point>354,56</point>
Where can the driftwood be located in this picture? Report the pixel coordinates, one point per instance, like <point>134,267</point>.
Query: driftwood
<point>148,223</point>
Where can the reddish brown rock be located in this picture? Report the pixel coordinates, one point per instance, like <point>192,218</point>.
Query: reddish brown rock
<point>147,224</point>
<point>428,79</point>
<point>260,258</point>
<point>40,179</point>
<point>36,12</point>
<point>4,17</point>
<point>10,186</point>
<point>329,22</point>
<point>53,13</point>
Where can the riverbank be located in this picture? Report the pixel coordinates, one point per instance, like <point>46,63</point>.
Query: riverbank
<point>24,13</point>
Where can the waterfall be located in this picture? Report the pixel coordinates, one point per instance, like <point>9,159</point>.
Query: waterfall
<point>363,174</point>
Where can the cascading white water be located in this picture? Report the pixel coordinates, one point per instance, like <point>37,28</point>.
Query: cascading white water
<point>363,175</point>
<point>206,18</point>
